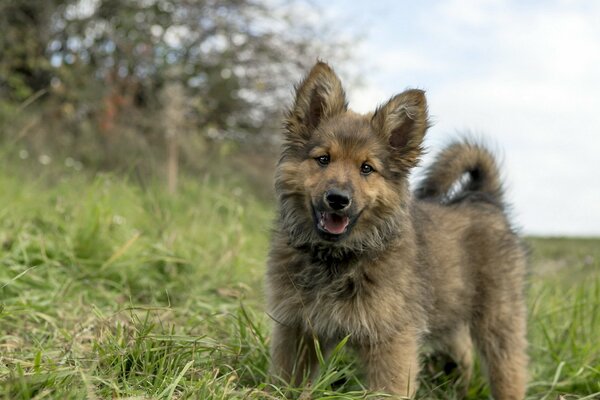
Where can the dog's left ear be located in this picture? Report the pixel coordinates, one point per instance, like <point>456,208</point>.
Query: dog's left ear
<point>402,121</point>
<point>318,97</point>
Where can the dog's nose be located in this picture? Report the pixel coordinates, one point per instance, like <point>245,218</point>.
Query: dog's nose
<point>337,199</point>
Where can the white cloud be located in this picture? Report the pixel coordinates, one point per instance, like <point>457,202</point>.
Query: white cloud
<point>525,75</point>
<point>366,99</point>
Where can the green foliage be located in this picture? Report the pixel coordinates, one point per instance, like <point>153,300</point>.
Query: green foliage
<point>24,68</point>
<point>101,66</point>
<point>111,289</point>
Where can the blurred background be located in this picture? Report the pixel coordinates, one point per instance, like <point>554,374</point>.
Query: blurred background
<point>151,86</point>
<point>157,89</point>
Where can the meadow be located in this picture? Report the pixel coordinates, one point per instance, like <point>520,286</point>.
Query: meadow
<point>111,288</point>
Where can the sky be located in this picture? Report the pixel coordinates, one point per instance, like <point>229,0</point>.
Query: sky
<point>524,76</point>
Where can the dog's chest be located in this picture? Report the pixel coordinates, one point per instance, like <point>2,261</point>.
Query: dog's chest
<point>341,281</point>
<point>340,299</point>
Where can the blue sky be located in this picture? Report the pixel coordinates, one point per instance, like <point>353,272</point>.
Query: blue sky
<point>524,76</point>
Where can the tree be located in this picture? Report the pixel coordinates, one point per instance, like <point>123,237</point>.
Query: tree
<point>105,61</point>
<point>24,66</point>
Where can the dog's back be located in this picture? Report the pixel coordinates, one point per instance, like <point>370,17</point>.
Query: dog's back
<point>476,262</point>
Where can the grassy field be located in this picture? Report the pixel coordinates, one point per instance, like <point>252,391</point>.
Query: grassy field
<point>113,289</point>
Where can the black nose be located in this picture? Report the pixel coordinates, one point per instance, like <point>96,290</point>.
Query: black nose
<point>337,199</point>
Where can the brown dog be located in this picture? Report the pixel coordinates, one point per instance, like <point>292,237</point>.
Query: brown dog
<point>355,254</point>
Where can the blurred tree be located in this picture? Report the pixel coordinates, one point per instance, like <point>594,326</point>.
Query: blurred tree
<point>233,56</point>
<point>105,61</point>
<point>24,67</point>
<point>174,121</point>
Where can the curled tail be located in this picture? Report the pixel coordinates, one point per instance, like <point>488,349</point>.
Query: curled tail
<point>461,170</point>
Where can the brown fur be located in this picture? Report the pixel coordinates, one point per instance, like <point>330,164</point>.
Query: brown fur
<point>438,267</point>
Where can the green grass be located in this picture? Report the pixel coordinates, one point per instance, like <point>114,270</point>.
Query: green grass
<point>112,289</point>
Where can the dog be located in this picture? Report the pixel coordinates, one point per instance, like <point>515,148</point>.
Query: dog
<point>356,254</point>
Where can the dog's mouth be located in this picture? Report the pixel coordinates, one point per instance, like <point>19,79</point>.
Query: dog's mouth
<point>332,223</point>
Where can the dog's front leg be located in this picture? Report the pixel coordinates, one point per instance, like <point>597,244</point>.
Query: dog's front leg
<point>392,366</point>
<point>293,355</point>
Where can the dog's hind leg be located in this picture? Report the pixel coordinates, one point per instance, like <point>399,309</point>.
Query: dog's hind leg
<point>459,347</point>
<point>500,333</point>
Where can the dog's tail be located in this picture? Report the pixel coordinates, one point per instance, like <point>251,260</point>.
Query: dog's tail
<point>463,169</point>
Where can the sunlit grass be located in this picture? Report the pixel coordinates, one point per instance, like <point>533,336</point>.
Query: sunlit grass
<point>111,288</point>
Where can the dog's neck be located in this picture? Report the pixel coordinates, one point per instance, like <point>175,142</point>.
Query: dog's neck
<point>329,254</point>
<point>336,259</point>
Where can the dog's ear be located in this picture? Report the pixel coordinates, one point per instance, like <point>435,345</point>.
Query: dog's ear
<point>402,122</point>
<point>318,97</point>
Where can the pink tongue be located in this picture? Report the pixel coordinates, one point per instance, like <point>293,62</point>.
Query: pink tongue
<point>334,223</point>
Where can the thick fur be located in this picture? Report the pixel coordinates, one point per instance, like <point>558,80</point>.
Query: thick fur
<point>441,267</point>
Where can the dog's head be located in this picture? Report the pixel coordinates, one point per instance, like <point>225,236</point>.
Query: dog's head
<point>342,177</point>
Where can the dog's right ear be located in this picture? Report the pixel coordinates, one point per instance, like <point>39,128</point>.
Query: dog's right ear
<point>318,97</point>
<point>402,122</point>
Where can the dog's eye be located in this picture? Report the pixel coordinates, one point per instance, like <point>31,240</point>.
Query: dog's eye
<point>323,160</point>
<point>366,169</point>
